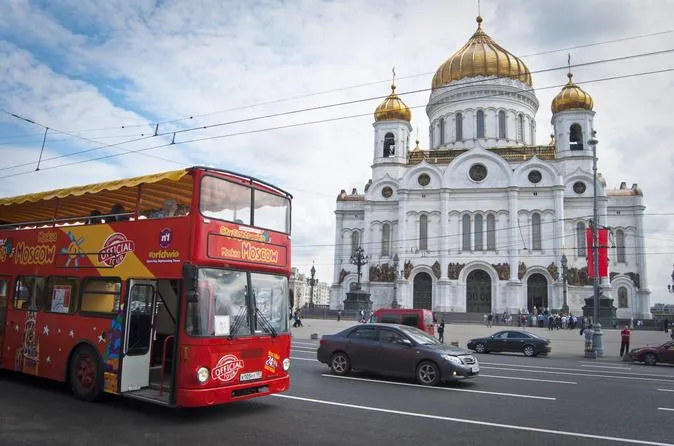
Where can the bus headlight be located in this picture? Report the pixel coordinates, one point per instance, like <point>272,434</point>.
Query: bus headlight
<point>286,364</point>
<point>203,375</point>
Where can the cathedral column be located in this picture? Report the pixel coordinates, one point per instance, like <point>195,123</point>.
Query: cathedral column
<point>513,240</point>
<point>558,224</point>
<point>401,245</point>
<point>365,241</point>
<point>340,247</point>
<point>444,233</point>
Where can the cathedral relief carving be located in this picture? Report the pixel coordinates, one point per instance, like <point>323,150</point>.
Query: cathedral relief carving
<point>454,269</point>
<point>503,270</point>
<point>407,270</point>
<point>578,276</point>
<point>553,270</point>
<point>635,279</point>
<point>436,269</point>
<point>382,273</point>
<point>342,275</point>
<point>521,270</point>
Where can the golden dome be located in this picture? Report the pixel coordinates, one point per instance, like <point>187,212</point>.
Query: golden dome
<point>393,108</point>
<point>572,97</point>
<point>481,56</point>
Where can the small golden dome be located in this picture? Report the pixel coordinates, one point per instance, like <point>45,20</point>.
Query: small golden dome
<point>393,108</point>
<point>572,97</point>
<point>481,56</point>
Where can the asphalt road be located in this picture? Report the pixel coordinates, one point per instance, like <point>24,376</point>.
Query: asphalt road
<point>516,400</point>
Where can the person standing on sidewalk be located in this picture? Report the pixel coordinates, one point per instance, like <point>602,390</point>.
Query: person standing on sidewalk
<point>441,331</point>
<point>624,341</point>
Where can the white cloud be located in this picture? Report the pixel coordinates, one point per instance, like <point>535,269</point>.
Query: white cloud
<point>92,65</point>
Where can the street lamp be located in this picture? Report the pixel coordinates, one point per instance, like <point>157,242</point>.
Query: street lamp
<point>565,306</point>
<point>671,287</point>
<point>312,282</point>
<point>394,304</point>
<point>596,325</point>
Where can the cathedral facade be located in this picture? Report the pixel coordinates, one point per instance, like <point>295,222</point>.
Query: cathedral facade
<point>480,220</point>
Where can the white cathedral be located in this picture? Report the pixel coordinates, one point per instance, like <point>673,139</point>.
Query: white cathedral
<point>479,222</point>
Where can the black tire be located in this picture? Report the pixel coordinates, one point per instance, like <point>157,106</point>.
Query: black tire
<point>480,348</point>
<point>650,359</point>
<point>428,374</point>
<point>529,350</point>
<point>340,364</point>
<point>86,374</point>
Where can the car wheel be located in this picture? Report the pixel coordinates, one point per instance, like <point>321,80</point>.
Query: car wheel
<point>85,373</point>
<point>529,350</point>
<point>650,359</point>
<point>480,348</point>
<point>340,364</point>
<point>428,374</point>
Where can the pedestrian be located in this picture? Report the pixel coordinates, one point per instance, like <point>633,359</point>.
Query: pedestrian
<point>441,331</point>
<point>624,341</point>
<point>339,315</point>
<point>589,335</point>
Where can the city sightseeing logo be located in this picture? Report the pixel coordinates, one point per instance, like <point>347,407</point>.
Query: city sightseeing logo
<point>227,368</point>
<point>115,248</point>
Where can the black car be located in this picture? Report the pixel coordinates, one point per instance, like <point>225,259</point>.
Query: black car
<point>395,350</point>
<point>511,341</point>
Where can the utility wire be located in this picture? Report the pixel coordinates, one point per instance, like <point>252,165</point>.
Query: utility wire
<point>248,132</point>
<point>366,84</point>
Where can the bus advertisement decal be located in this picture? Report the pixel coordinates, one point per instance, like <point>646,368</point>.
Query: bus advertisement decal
<point>222,247</point>
<point>227,368</point>
<point>115,248</point>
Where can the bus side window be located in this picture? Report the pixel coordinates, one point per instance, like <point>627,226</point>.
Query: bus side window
<point>410,319</point>
<point>28,292</point>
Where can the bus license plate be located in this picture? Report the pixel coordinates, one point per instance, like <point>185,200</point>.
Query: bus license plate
<point>250,376</point>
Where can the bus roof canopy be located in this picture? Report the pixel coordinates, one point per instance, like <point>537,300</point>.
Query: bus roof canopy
<point>81,200</point>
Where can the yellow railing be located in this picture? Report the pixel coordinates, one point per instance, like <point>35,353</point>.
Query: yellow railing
<point>446,156</point>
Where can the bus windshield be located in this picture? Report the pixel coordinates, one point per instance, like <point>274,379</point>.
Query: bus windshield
<point>241,204</point>
<point>226,307</point>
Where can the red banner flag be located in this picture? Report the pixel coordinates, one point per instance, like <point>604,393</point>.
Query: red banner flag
<point>602,235</point>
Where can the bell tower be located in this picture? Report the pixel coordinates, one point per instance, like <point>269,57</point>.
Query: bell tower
<point>392,130</point>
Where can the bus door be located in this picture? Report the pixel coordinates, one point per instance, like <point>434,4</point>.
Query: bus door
<point>4,298</point>
<point>140,313</point>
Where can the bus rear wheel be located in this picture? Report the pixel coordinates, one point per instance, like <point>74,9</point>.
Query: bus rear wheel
<point>85,373</point>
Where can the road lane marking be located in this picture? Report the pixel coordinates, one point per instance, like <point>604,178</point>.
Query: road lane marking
<point>666,408</point>
<point>594,375</point>
<point>303,359</point>
<point>666,390</point>
<point>569,369</point>
<point>302,350</point>
<point>473,422</point>
<point>528,379</point>
<point>515,395</point>
<point>606,367</point>
<point>310,344</point>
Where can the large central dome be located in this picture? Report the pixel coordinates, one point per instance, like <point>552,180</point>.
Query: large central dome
<point>481,56</point>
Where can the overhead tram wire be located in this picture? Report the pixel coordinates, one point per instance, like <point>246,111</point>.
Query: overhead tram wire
<point>300,124</point>
<point>366,84</point>
<point>326,106</point>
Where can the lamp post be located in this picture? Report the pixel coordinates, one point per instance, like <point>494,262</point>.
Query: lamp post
<point>565,306</point>
<point>359,259</point>
<point>596,325</point>
<point>394,304</point>
<point>671,287</point>
<point>312,282</point>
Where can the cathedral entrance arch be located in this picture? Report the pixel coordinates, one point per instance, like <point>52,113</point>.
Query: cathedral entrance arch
<point>537,292</point>
<point>478,292</point>
<point>422,294</point>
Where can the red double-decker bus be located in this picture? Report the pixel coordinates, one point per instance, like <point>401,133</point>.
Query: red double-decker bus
<point>171,288</point>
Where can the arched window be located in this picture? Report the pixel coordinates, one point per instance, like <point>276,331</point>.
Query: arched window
<point>536,242</point>
<point>520,130</point>
<point>478,233</point>
<point>466,232</point>
<point>491,232</point>
<point>581,239</point>
<point>622,297</point>
<point>442,131</point>
<point>355,241</point>
<point>480,123</point>
<point>575,137</point>
<point>620,245</point>
<point>389,145</point>
<point>423,232</point>
<point>501,125</point>
<point>459,127</point>
<point>385,240</point>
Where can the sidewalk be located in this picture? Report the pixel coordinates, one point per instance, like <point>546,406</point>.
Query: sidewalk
<point>565,343</point>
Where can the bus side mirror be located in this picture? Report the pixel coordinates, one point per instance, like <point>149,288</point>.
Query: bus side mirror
<point>191,277</point>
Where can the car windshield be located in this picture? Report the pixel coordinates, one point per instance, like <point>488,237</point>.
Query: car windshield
<point>418,336</point>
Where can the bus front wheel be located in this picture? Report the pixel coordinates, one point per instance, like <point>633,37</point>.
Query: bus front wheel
<point>86,377</point>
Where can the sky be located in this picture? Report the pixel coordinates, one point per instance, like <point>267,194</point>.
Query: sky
<point>104,75</point>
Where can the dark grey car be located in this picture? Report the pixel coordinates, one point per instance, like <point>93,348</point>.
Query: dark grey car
<point>395,350</point>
